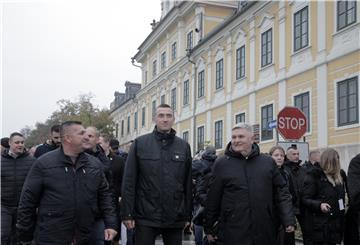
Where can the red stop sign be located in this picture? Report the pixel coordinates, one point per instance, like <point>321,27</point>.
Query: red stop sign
<point>291,123</point>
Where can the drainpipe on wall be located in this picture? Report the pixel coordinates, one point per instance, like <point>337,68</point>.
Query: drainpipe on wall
<point>188,54</point>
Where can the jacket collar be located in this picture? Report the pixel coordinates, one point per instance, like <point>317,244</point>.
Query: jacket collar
<point>80,161</point>
<point>164,136</point>
<point>8,154</point>
<point>255,151</point>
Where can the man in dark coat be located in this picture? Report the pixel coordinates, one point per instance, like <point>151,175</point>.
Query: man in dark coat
<point>117,169</point>
<point>51,144</point>
<point>298,173</point>
<point>352,232</point>
<point>63,192</point>
<point>15,165</point>
<point>156,190</point>
<point>93,148</point>
<point>246,185</point>
<point>314,159</point>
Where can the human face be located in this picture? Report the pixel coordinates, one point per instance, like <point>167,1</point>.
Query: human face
<point>75,138</point>
<point>293,155</point>
<point>241,141</point>
<point>92,139</point>
<point>17,145</point>
<point>55,138</point>
<point>105,145</point>
<point>278,156</point>
<point>315,157</point>
<point>164,119</point>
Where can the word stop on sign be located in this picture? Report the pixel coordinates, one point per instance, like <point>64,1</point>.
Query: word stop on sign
<point>291,123</point>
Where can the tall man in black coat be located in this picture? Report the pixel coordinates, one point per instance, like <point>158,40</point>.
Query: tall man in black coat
<point>156,190</point>
<point>15,165</point>
<point>352,233</point>
<point>246,186</point>
<point>63,192</point>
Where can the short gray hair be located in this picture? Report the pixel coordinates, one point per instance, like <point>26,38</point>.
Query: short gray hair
<point>246,126</point>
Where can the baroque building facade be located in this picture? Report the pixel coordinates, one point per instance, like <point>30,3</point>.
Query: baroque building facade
<point>219,63</point>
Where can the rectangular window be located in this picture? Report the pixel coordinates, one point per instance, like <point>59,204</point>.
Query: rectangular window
<point>200,138</point>
<point>348,102</point>
<point>219,74</point>
<point>185,136</point>
<point>266,48</point>
<point>301,32</point>
<point>163,60</point>
<point>218,134</point>
<point>240,62</point>
<point>117,130</point>
<point>122,128</point>
<point>135,120</point>
<point>240,118</point>
<point>154,68</point>
<point>190,40</point>
<point>173,51</point>
<point>186,92</point>
<point>173,99</point>
<point>162,99</point>
<point>302,101</point>
<point>128,125</point>
<point>346,14</point>
<point>153,109</point>
<point>201,84</point>
<point>143,113</point>
<point>266,116</point>
<point>146,77</point>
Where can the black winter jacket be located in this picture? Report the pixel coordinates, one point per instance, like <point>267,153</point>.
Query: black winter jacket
<point>241,199</point>
<point>354,183</point>
<point>44,148</point>
<point>13,174</point>
<point>67,196</point>
<point>202,172</point>
<point>297,173</point>
<point>323,227</point>
<point>156,189</point>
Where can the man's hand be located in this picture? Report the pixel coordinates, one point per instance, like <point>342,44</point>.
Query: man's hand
<point>211,238</point>
<point>325,207</point>
<point>109,234</point>
<point>290,229</point>
<point>130,224</point>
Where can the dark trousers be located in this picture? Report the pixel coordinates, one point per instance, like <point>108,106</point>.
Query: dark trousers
<point>145,235</point>
<point>301,219</point>
<point>285,238</point>
<point>8,221</point>
<point>97,234</point>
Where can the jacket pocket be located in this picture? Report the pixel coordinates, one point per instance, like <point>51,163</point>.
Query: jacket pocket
<point>178,157</point>
<point>148,162</point>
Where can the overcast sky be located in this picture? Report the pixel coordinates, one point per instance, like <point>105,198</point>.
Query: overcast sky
<point>58,49</point>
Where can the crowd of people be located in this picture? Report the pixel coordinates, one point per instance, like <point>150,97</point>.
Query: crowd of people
<point>78,187</point>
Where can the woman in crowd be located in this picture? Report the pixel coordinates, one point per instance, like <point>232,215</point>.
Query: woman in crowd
<point>278,154</point>
<point>324,197</point>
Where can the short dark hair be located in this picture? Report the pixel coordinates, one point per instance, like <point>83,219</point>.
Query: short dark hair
<point>5,142</point>
<point>292,147</point>
<point>163,106</point>
<point>114,144</point>
<point>15,134</point>
<point>55,128</point>
<point>67,124</point>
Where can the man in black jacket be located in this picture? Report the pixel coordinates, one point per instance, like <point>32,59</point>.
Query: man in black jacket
<point>15,165</point>
<point>156,190</point>
<point>63,192</point>
<point>51,144</point>
<point>298,173</point>
<point>352,235</point>
<point>245,187</point>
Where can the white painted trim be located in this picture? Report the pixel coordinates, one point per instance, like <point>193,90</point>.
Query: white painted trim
<point>272,44</point>
<point>322,108</point>
<point>302,91</point>
<point>335,82</point>
<point>357,21</point>
<point>271,102</point>
<point>208,134</point>
<point>282,94</point>
<point>252,108</point>
<point>321,21</point>
<point>223,131</point>
<point>237,113</point>
<point>297,7</point>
